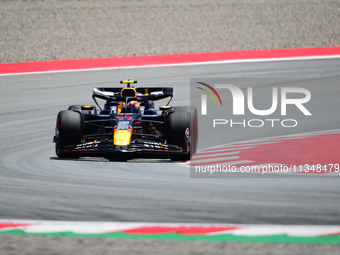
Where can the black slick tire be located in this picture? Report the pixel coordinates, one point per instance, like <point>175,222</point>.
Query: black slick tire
<point>69,126</point>
<point>194,119</point>
<point>179,122</point>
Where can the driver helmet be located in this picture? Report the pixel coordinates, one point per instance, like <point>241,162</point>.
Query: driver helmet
<point>133,106</point>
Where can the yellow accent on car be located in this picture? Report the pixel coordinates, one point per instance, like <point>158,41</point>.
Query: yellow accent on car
<point>122,137</point>
<point>165,107</point>
<point>128,91</point>
<point>128,81</point>
<point>87,106</point>
<point>146,91</point>
<point>120,106</point>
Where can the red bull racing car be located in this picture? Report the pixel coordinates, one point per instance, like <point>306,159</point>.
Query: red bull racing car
<point>128,124</point>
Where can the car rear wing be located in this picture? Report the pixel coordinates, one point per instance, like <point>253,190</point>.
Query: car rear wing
<point>153,94</point>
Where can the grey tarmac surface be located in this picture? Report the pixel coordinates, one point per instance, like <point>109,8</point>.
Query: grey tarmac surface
<point>37,185</point>
<point>34,184</point>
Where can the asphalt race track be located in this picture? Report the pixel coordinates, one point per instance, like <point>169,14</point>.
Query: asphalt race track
<point>35,184</point>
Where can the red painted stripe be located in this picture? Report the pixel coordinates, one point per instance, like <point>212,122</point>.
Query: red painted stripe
<point>12,225</point>
<point>195,158</point>
<point>332,234</point>
<point>180,230</point>
<point>220,162</point>
<point>222,150</point>
<point>239,147</point>
<point>83,64</point>
<point>322,149</point>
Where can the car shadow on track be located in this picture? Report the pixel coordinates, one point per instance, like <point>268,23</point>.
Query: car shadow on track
<point>112,159</point>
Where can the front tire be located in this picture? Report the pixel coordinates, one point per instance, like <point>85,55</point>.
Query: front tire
<point>194,118</point>
<point>69,127</point>
<point>179,123</point>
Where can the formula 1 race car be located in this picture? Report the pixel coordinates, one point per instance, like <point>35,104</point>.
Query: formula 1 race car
<point>128,124</point>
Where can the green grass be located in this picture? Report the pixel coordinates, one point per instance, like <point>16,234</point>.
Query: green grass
<point>335,239</point>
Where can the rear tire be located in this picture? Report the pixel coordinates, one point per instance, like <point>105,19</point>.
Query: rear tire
<point>69,132</point>
<point>179,122</point>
